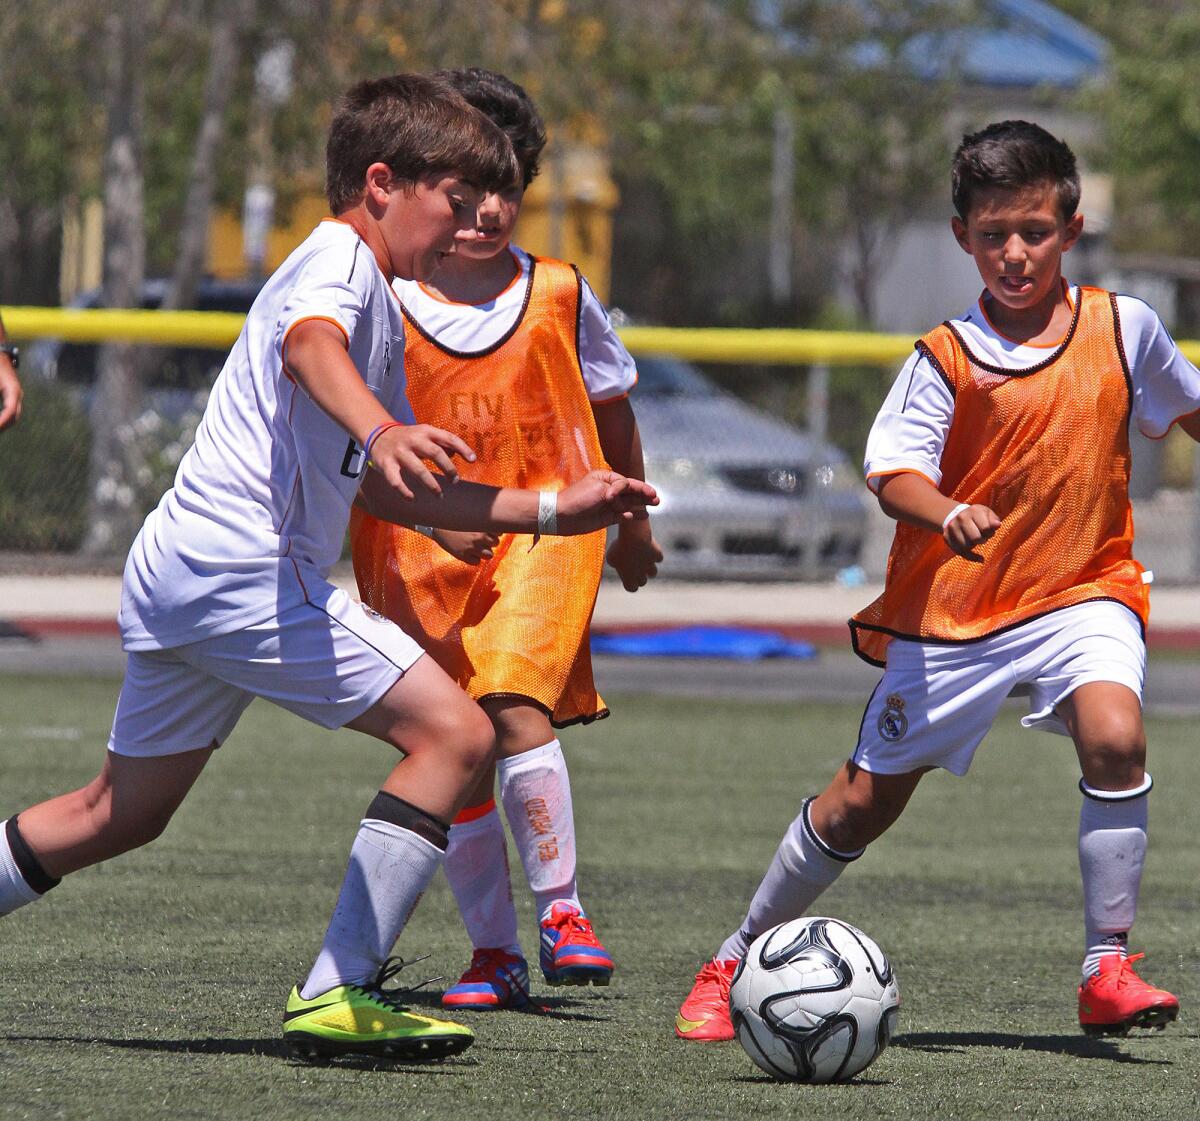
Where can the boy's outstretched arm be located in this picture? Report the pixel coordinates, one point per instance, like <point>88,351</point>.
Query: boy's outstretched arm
<point>599,499</point>
<point>634,554</point>
<point>909,497</point>
<point>316,357</point>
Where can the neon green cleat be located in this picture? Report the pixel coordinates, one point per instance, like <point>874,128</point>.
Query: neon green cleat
<point>367,1020</point>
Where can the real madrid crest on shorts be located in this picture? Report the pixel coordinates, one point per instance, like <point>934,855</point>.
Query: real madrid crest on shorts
<point>893,724</point>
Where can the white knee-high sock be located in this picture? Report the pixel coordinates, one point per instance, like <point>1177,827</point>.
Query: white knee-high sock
<point>536,793</point>
<point>1112,850</point>
<point>22,879</point>
<point>477,870</point>
<point>802,868</point>
<point>390,868</point>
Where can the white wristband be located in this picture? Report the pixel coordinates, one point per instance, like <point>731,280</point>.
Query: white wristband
<point>427,530</point>
<point>954,513</point>
<point>547,512</point>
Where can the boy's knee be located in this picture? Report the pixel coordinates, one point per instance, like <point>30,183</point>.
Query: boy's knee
<point>468,735</point>
<point>1112,754</point>
<point>122,823</point>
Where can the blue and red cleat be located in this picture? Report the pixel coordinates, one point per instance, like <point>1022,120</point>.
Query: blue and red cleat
<point>495,979</point>
<point>571,953</point>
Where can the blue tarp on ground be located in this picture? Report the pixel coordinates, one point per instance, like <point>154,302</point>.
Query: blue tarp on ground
<point>742,643</point>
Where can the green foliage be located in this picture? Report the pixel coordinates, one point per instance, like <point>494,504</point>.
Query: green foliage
<point>1151,110</point>
<point>43,472</point>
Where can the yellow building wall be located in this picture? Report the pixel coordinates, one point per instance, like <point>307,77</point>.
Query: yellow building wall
<point>567,213</point>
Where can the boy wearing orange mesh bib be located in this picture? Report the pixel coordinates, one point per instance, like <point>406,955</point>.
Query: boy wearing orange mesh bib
<point>516,355</point>
<point>1002,451</point>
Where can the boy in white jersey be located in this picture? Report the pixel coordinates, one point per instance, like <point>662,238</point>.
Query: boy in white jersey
<point>226,593</point>
<point>529,337</point>
<point>1002,451</point>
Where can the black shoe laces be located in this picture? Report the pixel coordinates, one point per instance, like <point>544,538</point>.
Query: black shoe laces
<point>391,998</point>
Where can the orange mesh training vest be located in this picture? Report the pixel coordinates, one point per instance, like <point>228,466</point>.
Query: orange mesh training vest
<point>1047,448</point>
<point>517,624</point>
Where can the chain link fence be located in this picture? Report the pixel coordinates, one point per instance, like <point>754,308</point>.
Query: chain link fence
<point>759,466</point>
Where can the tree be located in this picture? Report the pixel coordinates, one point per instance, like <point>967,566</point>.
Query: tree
<point>118,457</point>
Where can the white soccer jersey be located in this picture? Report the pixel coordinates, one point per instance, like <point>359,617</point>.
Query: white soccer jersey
<point>261,500</point>
<point>910,431</point>
<point>608,368</point>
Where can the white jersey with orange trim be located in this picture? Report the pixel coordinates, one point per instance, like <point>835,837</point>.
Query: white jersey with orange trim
<point>609,372</point>
<point>910,431</point>
<point>261,500</point>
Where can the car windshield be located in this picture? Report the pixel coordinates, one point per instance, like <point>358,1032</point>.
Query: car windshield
<point>660,376</point>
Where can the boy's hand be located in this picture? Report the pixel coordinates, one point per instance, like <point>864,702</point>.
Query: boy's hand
<point>602,498</point>
<point>635,554</point>
<point>465,545</point>
<point>399,453</point>
<point>968,528</point>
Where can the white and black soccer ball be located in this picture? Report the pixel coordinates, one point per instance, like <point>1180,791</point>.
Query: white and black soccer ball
<point>814,1000</point>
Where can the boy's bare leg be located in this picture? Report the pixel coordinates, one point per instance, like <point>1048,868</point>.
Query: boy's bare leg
<point>1105,721</point>
<point>447,742</point>
<point>535,791</point>
<point>445,736</point>
<point>125,806</point>
<point>831,831</point>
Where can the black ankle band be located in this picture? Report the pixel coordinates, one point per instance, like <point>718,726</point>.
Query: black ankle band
<point>27,864</point>
<point>811,833</point>
<point>396,811</point>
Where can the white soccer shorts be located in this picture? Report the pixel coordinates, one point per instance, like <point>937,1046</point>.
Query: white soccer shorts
<point>328,663</point>
<point>935,703</point>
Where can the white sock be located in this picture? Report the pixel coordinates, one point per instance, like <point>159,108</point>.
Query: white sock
<point>477,869</point>
<point>802,868</point>
<point>1112,850</point>
<point>390,868</point>
<point>536,793</point>
<point>14,888</point>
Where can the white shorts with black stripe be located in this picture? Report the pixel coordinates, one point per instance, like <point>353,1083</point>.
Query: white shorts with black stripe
<point>935,702</point>
<point>328,661</point>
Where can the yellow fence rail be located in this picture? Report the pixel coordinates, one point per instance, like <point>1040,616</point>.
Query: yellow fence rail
<point>218,329</point>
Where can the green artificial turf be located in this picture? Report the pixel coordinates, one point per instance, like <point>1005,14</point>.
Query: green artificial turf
<point>153,986</point>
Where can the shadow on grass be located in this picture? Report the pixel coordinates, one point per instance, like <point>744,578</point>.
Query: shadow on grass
<point>1080,1046</point>
<point>264,1048</point>
<point>551,1007</point>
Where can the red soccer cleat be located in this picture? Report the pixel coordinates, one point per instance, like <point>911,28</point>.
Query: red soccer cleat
<point>495,979</point>
<point>571,954</point>
<point>1117,999</point>
<point>704,1015</point>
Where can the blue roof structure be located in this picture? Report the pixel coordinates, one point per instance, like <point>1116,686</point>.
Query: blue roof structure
<point>1027,43</point>
<point>1014,44</point>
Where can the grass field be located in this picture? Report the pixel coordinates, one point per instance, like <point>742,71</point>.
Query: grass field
<point>153,987</point>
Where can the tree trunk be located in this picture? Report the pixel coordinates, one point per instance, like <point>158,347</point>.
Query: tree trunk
<point>117,460</point>
<point>228,31</point>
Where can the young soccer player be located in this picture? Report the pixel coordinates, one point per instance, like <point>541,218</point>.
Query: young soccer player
<point>226,595</point>
<point>10,385</point>
<point>1002,450</point>
<point>517,355</point>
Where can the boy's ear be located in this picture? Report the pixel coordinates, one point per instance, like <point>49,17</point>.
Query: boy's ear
<point>960,233</point>
<point>378,183</point>
<point>1073,230</point>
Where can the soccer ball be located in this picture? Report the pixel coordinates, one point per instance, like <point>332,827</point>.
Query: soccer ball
<point>814,1000</point>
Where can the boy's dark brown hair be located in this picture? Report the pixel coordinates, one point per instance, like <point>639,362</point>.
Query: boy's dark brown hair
<point>1013,155</point>
<point>418,125</point>
<point>509,106</point>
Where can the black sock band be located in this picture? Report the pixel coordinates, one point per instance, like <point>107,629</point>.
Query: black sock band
<point>27,864</point>
<point>396,811</point>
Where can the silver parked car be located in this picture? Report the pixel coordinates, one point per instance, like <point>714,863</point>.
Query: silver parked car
<point>743,495</point>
